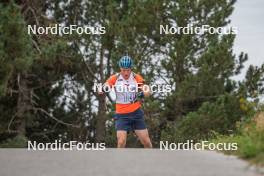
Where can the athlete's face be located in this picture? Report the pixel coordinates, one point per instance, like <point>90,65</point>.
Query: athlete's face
<point>125,72</point>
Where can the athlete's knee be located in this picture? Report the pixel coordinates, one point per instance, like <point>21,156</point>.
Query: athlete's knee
<point>121,141</point>
<point>147,143</point>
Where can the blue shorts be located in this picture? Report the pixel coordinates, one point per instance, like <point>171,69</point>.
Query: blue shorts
<point>130,121</point>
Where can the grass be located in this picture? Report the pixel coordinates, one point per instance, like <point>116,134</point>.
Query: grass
<point>250,140</point>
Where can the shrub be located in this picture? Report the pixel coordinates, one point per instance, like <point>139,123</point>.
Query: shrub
<point>217,117</point>
<point>17,142</point>
<point>250,140</point>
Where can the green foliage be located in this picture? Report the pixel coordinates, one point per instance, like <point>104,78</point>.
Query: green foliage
<point>110,139</point>
<point>16,142</point>
<point>15,44</point>
<point>252,86</point>
<point>59,71</point>
<point>249,138</point>
<point>212,117</point>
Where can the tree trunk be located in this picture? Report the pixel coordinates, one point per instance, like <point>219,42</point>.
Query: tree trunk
<point>23,104</point>
<point>101,119</point>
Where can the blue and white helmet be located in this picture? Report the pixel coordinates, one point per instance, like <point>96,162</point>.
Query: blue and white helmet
<point>125,62</point>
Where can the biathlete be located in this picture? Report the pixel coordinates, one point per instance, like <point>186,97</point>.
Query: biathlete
<point>130,91</point>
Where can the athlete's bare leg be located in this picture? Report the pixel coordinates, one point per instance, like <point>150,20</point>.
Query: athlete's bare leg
<point>144,138</point>
<point>121,138</point>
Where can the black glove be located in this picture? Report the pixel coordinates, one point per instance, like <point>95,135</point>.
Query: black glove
<point>139,96</point>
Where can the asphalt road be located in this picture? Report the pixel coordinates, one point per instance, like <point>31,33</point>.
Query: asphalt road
<point>121,162</point>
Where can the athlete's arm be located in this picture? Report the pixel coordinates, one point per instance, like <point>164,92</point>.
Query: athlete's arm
<point>109,83</point>
<point>101,90</point>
